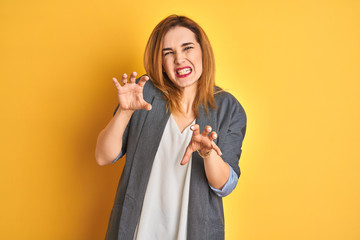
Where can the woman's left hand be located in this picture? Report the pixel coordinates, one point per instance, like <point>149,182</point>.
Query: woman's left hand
<point>202,142</point>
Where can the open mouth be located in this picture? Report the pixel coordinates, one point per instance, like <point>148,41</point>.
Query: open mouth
<point>183,72</point>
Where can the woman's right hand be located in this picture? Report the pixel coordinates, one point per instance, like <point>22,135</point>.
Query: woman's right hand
<point>130,94</point>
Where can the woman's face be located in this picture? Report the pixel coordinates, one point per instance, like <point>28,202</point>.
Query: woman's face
<point>182,57</point>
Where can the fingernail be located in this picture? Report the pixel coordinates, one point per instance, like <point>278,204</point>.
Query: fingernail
<point>135,73</point>
<point>215,136</point>
<point>209,129</point>
<point>220,153</point>
<point>192,127</point>
<point>114,79</point>
<point>124,75</point>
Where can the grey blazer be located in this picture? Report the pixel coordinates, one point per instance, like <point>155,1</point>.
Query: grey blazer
<point>140,143</point>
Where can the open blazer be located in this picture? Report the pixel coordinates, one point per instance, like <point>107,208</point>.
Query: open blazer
<point>140,143</point>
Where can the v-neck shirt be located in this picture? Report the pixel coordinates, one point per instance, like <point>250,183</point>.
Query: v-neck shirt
<point>165,208</point>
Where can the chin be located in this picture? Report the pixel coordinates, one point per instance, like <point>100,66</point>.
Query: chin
<point>185,84</point>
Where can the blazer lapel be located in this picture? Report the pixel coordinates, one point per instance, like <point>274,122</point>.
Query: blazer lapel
<point>147,146</point>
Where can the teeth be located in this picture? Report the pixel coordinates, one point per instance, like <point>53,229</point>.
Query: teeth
<point>184,71</point>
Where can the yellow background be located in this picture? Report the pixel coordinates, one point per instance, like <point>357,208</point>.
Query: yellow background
<point>294,66</point>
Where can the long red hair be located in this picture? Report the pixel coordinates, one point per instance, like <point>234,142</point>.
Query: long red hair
<point>153,65</point>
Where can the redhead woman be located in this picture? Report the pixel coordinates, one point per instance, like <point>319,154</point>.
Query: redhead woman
<point>182,136</point>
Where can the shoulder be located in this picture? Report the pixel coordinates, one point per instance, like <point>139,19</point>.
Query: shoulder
<point>150,90</point>
<point>226,103</point>
<point>230,114</point>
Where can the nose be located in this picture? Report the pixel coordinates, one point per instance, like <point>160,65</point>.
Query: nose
<point>179,58</point>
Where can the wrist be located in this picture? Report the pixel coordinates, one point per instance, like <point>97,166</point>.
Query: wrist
<point>124,114</point>
<point>204,154</point>
<point>126,111</point>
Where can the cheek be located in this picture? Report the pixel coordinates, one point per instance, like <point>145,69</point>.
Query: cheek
<point>166,66</point>
<point>199,60</point>
<point>200,66</point>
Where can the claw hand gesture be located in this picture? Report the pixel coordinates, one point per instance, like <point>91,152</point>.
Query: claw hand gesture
<point>202,142</point>
<point>130,94</point>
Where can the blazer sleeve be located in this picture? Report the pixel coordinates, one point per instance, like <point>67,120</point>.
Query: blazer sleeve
<point>233,127</point>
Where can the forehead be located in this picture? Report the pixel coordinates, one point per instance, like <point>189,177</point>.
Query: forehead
<point>177,36</point>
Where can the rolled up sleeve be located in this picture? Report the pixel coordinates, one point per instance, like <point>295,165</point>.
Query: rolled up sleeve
<point>229,185</point>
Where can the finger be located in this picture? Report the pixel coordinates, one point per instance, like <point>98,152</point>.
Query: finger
<point>143,80</point>
<point>196,129</point>
<point>206,131</point>
<point>216,148</point>
<point>116,83</point>
<point>212,136</point>
<point>186,156</point>
<point>133,77</point>
<point>124,78</point>
<point>147,106</point>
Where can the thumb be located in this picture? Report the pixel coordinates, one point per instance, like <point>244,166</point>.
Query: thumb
<point>186,156</point>
<point>147,106</point>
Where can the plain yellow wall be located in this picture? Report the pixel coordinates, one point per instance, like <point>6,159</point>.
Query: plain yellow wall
<point>294,66</point>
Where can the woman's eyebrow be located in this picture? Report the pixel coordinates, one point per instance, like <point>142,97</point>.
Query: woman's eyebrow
<point>182,45</point>
<point>166,49</point>
<point>186,44</point>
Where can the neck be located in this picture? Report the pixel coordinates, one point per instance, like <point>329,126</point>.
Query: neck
<point>188,97</point>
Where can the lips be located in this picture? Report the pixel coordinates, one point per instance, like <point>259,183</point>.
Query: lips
<point>183,72</point>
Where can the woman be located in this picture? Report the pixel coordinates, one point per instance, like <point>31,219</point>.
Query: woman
<point>182,137</point>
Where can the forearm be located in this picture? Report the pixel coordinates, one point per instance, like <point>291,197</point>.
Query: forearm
<point>217,170</point>
<point>109,141</point>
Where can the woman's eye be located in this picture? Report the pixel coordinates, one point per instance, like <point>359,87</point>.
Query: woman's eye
<point>167,53</point>
<point>187,48</point>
